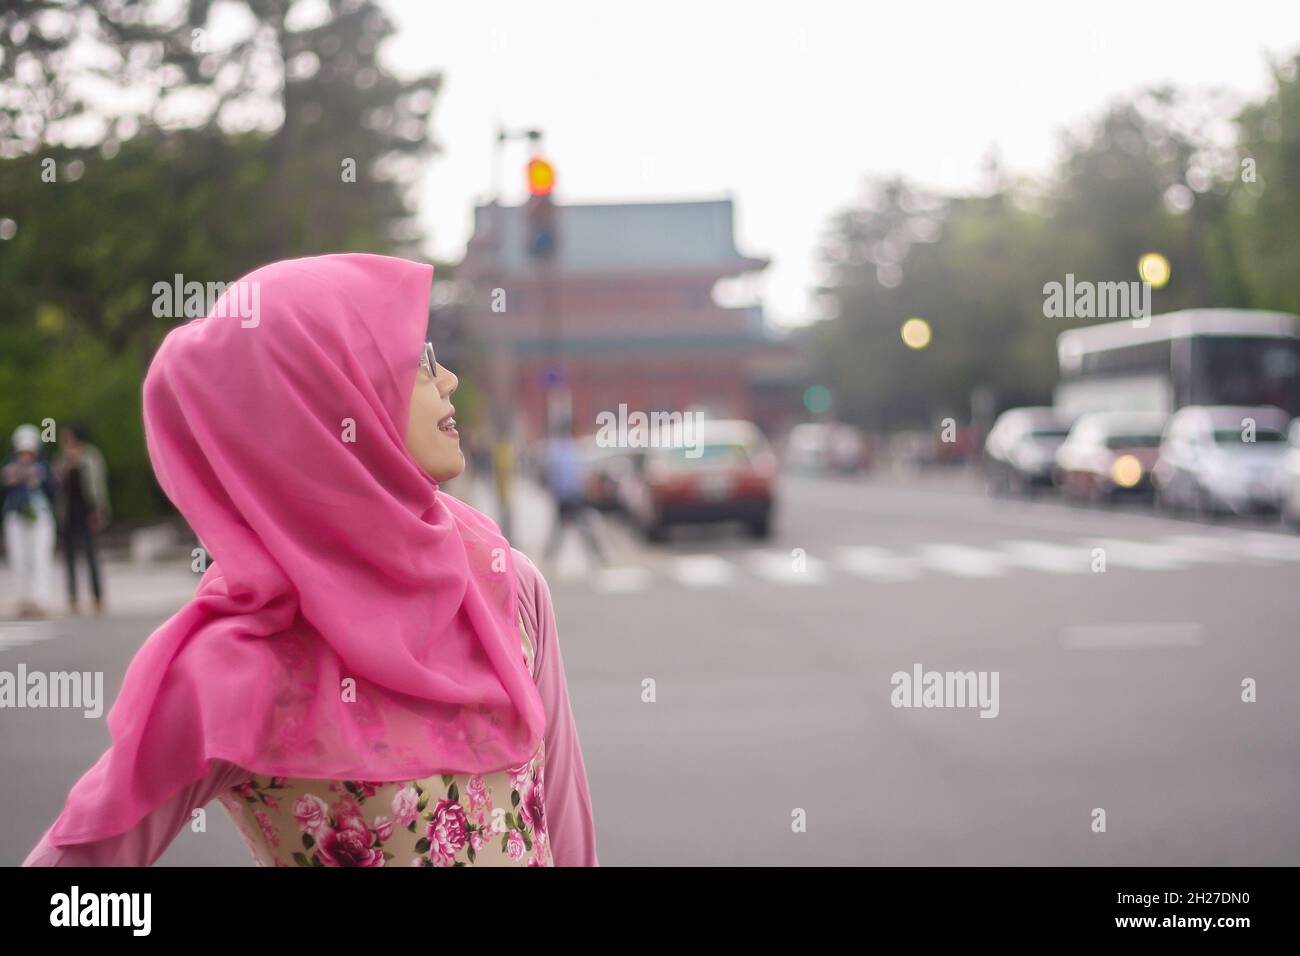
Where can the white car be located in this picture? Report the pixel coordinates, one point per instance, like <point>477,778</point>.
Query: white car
<point>1221,458</point>
<point>1020,450</point>
<point>1291,479</point>
<point>1108,455</point>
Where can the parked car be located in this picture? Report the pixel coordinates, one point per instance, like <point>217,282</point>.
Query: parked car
<point>1291,478</point>
<point>733,478</point>
<point>1108,455</point>
<point>1020,450</point>
<point>1223,459</point>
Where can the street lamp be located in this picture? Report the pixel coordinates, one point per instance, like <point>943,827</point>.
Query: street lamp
<point>1155,269</point>
<point>916,333</point>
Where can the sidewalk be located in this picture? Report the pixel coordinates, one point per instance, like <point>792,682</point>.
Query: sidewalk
<point>130,590</point>
<point>160,587</point>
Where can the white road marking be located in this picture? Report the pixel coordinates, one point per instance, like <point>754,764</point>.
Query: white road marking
<point>1125,636</point>
<point>1146,555</point>
<point>622,580</point>
<point>23,633</point>
<point>1049,557</point>
<point>876,564</point>
<point>963,561</point>
<point>780,568</point>
<point>701,570</point>
<point>1214,547</point>
<point>1276,547</point>
<point>873,563</point>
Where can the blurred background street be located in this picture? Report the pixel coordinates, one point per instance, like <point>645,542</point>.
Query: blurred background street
<point>799,352</point>
<point>1118,689</point>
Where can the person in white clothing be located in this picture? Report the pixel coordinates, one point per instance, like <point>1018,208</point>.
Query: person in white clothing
<point>29,521</point>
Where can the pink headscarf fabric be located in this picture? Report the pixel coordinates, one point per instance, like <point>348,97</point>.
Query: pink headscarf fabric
<point>354,621</point>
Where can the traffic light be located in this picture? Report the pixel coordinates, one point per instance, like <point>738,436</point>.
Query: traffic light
<point>541,177</point>
<point>539,214</point>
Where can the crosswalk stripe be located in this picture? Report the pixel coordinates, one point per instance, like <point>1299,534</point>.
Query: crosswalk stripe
<point>963,560</point>
<point>1273,546</point>
<point>622,580</point>
<point>1257,548</point>
<point>780,567</point>
<point>701,570</point>
<point>1049,557</point>
<point>1147,555</point>
<point>1212,547</point>
<point>23,633</point>
<point>876,564</point>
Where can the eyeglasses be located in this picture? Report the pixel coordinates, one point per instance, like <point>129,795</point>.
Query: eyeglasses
<point>428,361</point>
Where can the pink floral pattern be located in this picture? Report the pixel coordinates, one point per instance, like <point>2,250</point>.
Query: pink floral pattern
<point>446,821</point>
<point>439,822</point>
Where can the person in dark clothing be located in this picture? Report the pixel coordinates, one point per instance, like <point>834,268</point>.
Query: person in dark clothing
<point>84,510</point>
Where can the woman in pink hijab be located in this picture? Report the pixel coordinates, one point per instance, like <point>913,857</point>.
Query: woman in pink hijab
<point>368,674</point>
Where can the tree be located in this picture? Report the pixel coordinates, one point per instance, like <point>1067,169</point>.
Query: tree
<point>260,136</point>
<point>1263,221</point>
<point>1161,172</point>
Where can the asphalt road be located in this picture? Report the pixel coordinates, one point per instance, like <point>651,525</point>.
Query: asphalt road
<point>1119,640</point>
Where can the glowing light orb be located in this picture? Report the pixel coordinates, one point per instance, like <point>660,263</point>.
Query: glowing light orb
<point>1154,268</point>
<point>916,333</point>
<point>1127,471</point>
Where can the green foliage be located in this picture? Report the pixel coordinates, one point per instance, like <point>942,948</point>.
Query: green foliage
<point>1142,178</point>
<point>1263,219</point>
<point>98,225</point>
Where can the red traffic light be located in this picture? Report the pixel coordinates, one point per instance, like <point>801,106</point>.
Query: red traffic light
<point>541,177</point>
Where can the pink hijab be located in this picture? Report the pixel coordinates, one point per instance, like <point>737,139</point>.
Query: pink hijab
<point>353,622</point>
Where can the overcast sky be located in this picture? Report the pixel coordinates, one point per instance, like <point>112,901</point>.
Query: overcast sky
<point>786,107</point>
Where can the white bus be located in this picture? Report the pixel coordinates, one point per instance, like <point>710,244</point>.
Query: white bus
<point>1193,357</point>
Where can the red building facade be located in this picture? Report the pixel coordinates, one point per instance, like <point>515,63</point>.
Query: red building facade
<point>625,313</point>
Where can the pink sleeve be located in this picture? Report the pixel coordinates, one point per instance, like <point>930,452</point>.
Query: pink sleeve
<point>567,798</point>
<point>148,839</point>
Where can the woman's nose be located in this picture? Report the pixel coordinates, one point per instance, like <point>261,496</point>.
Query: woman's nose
<point>447,378</point>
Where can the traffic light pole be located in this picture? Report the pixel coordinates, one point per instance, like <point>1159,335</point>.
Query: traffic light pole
<point>559,401</point>
<point>504,396</point>
<point>505,416</point>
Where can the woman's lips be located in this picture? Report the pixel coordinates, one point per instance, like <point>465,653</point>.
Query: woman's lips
<point>448,425</point>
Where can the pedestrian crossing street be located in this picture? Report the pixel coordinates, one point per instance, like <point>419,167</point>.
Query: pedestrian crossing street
<point>882,565</point>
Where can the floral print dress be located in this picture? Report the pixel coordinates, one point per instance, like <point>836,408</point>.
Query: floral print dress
<point>494,819</point>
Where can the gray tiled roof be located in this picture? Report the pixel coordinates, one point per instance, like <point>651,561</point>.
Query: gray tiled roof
<point>628,237</point>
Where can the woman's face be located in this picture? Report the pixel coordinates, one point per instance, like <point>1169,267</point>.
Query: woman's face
<point>431,436</point>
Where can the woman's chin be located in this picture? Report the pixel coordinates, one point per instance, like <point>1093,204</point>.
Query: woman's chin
<point>450,470</point>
